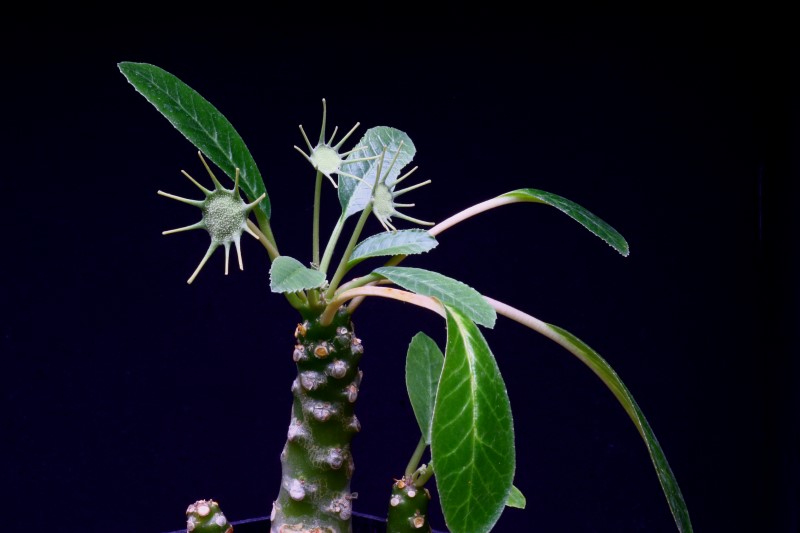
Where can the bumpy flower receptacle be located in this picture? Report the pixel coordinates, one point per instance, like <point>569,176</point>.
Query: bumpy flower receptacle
<point>224,216</point>
<point>384,195</point>
<point>325,157</point>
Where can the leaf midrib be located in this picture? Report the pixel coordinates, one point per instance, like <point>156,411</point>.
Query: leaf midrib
<point>212,134</point>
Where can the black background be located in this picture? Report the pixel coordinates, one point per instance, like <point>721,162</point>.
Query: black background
<point>127,394</point>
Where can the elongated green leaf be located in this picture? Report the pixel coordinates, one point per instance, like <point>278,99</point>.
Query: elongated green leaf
<point>402,242</point>
<point>447,290</point>
<point>354,194</point>
<point>289,275</point>
<point>582,215</point>
<point>604,371</point>
<point>472,437</point>
<point>424,363</point>
<point>201,123</point>
<point>516,499</point>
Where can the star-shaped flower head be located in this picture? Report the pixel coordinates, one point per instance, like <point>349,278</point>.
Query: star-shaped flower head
<point>326,158</point>
<point>384,195</point>
<point>224,216</point>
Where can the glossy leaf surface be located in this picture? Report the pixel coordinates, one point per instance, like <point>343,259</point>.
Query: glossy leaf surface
<point>472,436</point>
<point>402,242</point>
<point>201,123</point>
<point>586,218</point>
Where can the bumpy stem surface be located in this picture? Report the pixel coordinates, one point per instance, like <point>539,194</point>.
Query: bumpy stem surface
<point>408,508</point>
<point>205,516</point>
<point>317,465</point>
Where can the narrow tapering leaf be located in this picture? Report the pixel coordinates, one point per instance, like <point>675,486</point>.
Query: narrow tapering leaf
<point>355,194</point>
<point>589,220</point>
<point>607,374</point>
<point>424,363</point>
<point>289,275</point>
<point>472,436</point>
<point>201,123</point>
<point>516,499</point>
<point>402,242</point>
<point>447,290</point>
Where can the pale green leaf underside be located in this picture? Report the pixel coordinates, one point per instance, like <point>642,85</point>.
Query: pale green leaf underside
<point>353,194</point>
<point>578,213</point>
<point>516,499</point>
<point>665,476</point>
<point>472,436</point>
<point>388,243</point>
<point>424,363</point>
<point>201,123</point>
<point>447,290</point>
<point>289,275</point>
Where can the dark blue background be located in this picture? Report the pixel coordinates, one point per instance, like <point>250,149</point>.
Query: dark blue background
<point>128,394</point>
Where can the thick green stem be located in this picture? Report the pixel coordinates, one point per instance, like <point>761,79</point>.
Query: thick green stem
<point>317,464</point>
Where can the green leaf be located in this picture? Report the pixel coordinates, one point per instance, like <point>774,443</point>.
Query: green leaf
<point>447,290</point>
<point>604,371</point>
<point>201,123</point>
<point>289,275</point>
<point>424,363</point>
<point>516,499</point>
<point>354,194</point>
<point>402,242</point>
<point>472,437</point>
<point>582,215</point>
